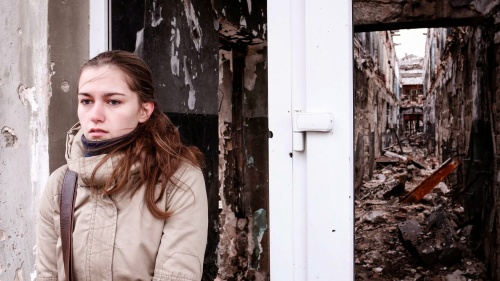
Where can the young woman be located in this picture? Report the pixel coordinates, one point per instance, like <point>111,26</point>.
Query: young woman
<point>141,205</point>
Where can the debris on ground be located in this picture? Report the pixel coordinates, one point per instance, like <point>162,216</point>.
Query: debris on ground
<point>431,181</point>
<point>425,240</point>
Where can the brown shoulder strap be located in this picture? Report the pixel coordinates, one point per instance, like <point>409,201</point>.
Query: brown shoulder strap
<point>68,195</point>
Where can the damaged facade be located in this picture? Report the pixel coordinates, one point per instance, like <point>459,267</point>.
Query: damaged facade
<point>412,94</point>
<point>462,90</point>
<point>376,84</point>
<point>243,250</point>
<point>25,91</point>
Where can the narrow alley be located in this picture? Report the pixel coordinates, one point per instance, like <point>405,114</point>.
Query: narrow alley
<point>423,144</point>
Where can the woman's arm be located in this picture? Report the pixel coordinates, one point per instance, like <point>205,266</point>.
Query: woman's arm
<point>46,234</point>
<point>182,248</point>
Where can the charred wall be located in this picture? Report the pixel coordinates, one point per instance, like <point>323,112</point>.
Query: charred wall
<point>243,160</point>
<point>462,84</point>
<point>401,14</point>
<point>243,250</point>
<point>376,85</point>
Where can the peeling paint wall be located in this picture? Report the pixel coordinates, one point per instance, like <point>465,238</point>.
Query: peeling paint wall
<point>25,93</point>
<point>376,85</point>
<point>180,45</point>
<point>246,18</point>
<point>243,164</point>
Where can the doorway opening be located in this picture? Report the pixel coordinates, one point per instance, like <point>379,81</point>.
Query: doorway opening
<point>423,154</point>
<point>209,62</point>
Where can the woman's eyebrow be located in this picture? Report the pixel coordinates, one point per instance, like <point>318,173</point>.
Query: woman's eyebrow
<point>113,94</point>
<point>104,95</point>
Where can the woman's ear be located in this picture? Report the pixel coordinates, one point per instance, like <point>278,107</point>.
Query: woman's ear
<point>146,111</point>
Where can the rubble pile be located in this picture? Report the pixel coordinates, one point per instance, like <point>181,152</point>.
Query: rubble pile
<point>425,240</point>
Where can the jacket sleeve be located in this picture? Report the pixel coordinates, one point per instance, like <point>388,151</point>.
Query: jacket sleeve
<point>182,247</point>
<point>46,232</point>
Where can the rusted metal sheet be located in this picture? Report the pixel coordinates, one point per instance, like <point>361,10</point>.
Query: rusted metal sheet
<point>431,181</point>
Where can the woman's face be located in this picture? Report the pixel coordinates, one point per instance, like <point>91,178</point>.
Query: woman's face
<point>107,108</point>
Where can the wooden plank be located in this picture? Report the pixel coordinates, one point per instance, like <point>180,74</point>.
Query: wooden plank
<point>431,181</point>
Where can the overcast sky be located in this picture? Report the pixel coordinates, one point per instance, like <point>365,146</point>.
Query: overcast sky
<point>412,42</point>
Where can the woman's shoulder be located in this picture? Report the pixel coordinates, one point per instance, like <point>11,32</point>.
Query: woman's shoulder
<point>56,179</point>
<point>186,167</point>
<point>186,175</point>
<point>187,171</point>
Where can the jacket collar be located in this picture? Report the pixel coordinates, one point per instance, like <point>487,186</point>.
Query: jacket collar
<point>85,166</point>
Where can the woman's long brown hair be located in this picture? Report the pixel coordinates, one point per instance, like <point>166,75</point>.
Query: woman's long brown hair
<point>154,145</point>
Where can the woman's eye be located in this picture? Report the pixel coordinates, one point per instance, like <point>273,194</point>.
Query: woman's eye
<point>114,102</point>
<point>85,102</point>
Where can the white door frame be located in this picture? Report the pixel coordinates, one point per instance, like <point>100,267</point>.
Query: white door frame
<point>99,33</point>
<point>311,194</point>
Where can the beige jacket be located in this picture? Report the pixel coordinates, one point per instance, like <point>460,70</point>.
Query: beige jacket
<point>116,237</point>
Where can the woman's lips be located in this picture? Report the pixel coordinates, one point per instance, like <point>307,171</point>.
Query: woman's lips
<point>97,133</point>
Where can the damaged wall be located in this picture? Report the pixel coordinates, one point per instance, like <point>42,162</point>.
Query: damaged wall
<point>243,249</point>
<point>462,83</point>
<point>243,164</point>
<point>401,14</point>
<point>376,84</point>
<point>24,163</point>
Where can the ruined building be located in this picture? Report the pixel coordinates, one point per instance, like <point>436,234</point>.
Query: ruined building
<point>377,90</point>
<point>460,99</point>
<point>412,94</point>
<point>462,103</point>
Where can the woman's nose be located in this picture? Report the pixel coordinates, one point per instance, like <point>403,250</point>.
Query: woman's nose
<point>97,113</point>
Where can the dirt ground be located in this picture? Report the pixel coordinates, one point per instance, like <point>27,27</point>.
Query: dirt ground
<point>420,241</point>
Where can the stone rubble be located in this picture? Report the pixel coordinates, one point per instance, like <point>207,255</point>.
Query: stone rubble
<point>428,240</point>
